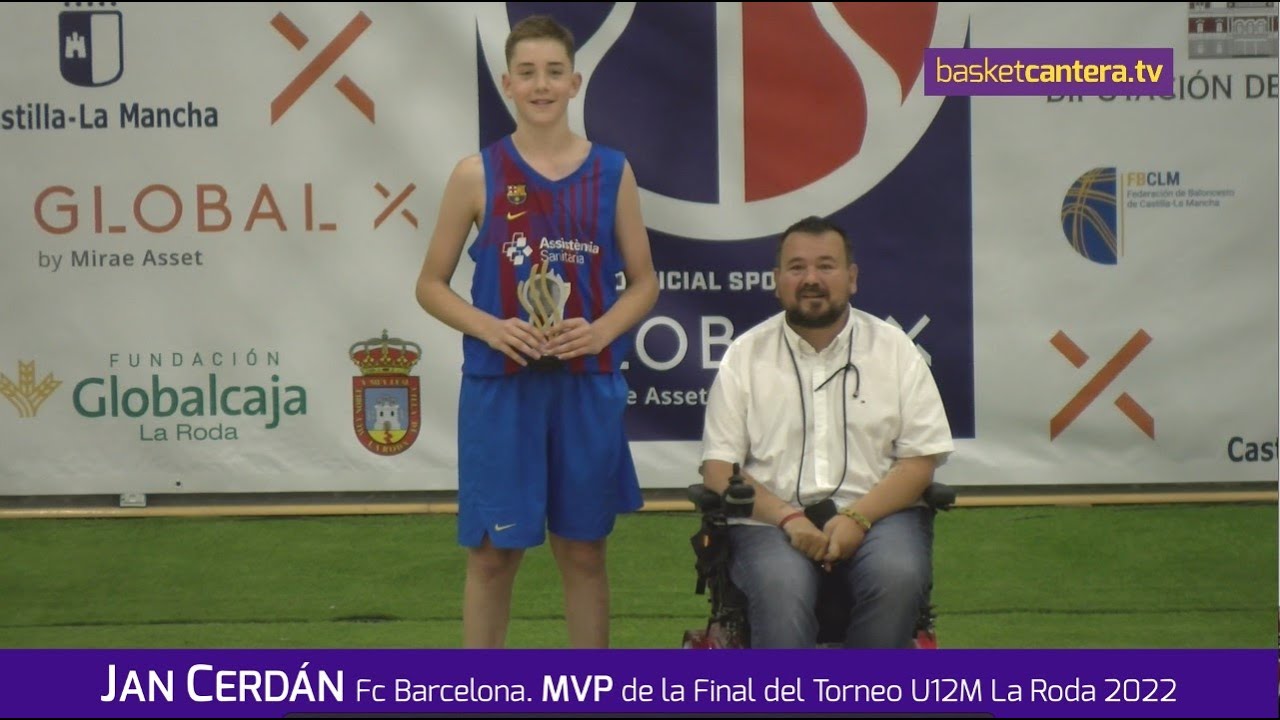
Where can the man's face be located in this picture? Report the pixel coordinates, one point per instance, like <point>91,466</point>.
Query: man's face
<point>814,279</point>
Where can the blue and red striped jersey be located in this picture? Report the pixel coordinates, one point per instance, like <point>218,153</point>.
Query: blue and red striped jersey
<point>561,230</point>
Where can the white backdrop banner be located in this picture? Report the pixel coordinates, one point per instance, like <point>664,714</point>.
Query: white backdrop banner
<point>212,220</point>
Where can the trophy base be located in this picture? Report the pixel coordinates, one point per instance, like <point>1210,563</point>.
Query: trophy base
<point>546,363</point>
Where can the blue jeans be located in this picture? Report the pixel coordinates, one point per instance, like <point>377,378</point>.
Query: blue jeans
<point>888,577</point>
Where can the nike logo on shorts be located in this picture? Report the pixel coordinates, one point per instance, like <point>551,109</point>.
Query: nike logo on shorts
<point>500,528</point>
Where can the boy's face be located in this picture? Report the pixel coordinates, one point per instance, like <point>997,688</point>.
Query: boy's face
<point>540,80</point>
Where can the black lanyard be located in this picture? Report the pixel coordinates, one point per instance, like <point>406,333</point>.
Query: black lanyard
<point>844,406</point>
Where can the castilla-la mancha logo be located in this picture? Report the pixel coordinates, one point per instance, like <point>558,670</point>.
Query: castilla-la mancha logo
<point>91,45</point>
<point>386,404</point>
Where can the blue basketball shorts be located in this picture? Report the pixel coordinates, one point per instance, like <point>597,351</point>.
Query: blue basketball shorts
<point>543,451</point>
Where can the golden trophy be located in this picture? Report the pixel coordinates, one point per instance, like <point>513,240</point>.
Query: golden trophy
<point>543,297</point>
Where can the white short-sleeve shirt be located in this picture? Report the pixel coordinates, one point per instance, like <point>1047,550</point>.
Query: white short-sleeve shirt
<point>886,408</point>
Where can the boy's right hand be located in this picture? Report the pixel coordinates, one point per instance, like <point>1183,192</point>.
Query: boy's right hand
<point>516,339</point>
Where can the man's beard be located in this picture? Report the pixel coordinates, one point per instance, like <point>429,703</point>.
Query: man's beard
<point>798,318</point>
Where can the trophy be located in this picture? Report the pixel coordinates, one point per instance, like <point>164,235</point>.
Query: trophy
<point>543,297</point>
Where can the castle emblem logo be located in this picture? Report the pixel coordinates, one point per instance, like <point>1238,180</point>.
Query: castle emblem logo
<point>385,399</point>
<point>91,45</point>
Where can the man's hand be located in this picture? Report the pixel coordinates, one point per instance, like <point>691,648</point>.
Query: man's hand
<point>806,538</point>
<point>843,538</point>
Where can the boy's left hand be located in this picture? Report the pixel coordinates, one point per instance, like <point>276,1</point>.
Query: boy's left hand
<point>575,338</point>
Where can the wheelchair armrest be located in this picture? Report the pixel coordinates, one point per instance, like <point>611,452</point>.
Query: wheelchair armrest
<point>703,497</point>
<point>940,496</point>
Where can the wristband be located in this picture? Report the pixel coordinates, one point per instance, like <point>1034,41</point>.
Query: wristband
<point>857,517</point>
<point>783,523</point>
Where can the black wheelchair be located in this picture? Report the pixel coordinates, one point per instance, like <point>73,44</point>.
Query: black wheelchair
<point>727,626</point>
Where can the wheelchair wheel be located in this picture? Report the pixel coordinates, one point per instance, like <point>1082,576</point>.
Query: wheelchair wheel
<point>926,637</point>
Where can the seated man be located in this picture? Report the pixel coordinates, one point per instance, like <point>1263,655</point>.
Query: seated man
<point>836,420</point>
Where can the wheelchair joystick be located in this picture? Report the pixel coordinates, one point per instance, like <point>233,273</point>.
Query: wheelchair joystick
<point>739,497</point>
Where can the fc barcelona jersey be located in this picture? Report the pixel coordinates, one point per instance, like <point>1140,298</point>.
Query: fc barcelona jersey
<point>546,250</point>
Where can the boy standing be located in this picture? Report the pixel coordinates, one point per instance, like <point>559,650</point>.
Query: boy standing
<point>540,417</point>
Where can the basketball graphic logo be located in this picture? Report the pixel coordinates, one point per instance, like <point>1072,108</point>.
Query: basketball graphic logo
<point>1089,216</point>
<point>739,119</point>
<point>736,114</point>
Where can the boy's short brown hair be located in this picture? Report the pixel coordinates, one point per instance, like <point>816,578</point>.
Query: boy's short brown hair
<point>539,27</point>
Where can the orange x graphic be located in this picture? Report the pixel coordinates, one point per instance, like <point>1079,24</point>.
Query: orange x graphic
<point>1099,382</point>
<point>319,64</point>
